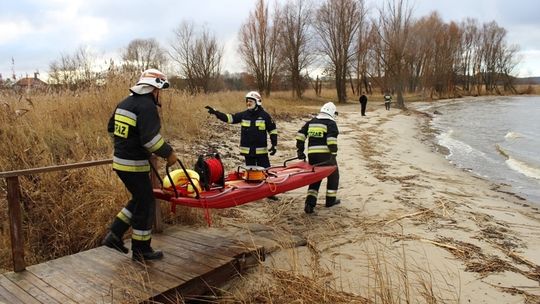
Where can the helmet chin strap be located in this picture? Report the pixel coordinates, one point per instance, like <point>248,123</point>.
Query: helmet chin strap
<point>156,97</point>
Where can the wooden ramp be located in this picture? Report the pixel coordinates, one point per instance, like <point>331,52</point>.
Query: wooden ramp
<point>194,263</point>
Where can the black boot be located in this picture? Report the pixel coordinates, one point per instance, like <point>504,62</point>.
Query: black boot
<point>147,255</point>
<point>111,240</point>
<point>309,208</point>
<point>332,203</point>
<point>273,198</point>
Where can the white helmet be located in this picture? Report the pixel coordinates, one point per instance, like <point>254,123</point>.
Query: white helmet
<point>255,96</point>
<point>330,109</point>
<point>153,78</point>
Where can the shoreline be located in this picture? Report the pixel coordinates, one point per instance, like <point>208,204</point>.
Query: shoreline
<point>410,221</point>
<point>431,133</point>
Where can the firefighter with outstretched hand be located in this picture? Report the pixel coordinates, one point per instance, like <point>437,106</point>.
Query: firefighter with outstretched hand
<point>256,124</point>
<point>321,132</point>
<point>135,126</point>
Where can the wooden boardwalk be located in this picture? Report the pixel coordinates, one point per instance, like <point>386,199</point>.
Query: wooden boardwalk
<point>195,262</point>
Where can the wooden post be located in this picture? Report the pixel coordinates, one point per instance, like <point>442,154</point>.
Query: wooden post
<point>158,221</point>
<point>15,223</point>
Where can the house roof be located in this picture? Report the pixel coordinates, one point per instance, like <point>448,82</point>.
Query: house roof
<point>30,82</point>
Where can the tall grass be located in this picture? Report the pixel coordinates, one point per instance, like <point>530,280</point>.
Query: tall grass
<point>69,211</point>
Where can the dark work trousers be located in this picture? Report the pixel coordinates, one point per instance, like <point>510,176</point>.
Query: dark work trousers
<point>387,105</point>
<point>140,209</point>
<point>363,105</point>
<point>332,181</point>
<point>260,160</point>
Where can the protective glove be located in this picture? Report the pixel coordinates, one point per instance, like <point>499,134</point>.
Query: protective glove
<point>272,150</point>
<point>301,155</point>
<point>171,159</point>
<point>211,110</point>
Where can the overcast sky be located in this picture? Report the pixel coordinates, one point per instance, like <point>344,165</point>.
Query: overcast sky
<point>36,32</point>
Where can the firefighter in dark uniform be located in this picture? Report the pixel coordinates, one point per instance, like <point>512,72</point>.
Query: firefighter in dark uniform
<point>321,132</point>
<point>256,124</point>
<point>135,126</point>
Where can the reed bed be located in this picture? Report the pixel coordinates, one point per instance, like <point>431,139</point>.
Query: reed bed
<point>69,211</point>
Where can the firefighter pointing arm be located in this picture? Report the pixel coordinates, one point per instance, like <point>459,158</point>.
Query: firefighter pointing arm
<point>256,125</point>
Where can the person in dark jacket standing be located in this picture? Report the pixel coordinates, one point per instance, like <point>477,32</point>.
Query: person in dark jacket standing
<point>256,124</point>
<point>363,104</point>
<point>387,101</point>
<point>135,126</point>
<point>321,132</point>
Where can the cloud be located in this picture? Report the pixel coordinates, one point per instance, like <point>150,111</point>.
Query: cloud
<point>12,30</point>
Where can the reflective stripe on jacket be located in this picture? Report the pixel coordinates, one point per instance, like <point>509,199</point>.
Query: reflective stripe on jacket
<point>321,135</point>
<point>255,125</point>
<point>135,125</point>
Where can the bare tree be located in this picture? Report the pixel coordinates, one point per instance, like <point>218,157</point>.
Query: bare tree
<point>337,23</point>
<point>468,43</point>
<point>198,56</point>
<point>74,71</point>
<point>295,41</point>
<point>362,54</point>
<point>393,26</point>
<point>259,46</point>
<point>143,54</point>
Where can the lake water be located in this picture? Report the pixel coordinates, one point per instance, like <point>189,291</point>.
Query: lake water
<point>496,138</point>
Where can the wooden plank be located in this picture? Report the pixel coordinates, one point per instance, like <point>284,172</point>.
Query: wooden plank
<point>121,276</point>
<point>15,294</point>
<point>15,223</point>
<point>40,290</point>
<point>56,168</point>
<point>193,263</point>
<point>60,281</point>
<point>235,248</point>
<point>226,246</point>
<point>121,265</point>
<point>7,297</point>
<point>196,251</point>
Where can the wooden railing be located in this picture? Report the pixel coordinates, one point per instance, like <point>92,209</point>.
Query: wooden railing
<point>14,203</point>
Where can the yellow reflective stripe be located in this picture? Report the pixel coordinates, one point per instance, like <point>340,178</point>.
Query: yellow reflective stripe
<point>125,119</point>
<point>245,123</point>
<point>300,136</point>
<point>273,131</point>
<point>318,126</point>
<point>318,149</point>
<point>244,150</point>
<point>130,168</point>
<point>261,150</point>
<point>314,193</point>
<point>229,118</point>
<point>331,141</point>
<point>260,124</point>
<point>157,145</point>
<point>125,216</point>
<point>331,193</point>
<point>141,235</point>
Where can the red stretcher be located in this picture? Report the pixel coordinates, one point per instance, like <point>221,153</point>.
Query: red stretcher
<point>246,185</point>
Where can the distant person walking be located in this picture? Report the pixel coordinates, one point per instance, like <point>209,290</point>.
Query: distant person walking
<point>363,104</point>
<point>387,100</point>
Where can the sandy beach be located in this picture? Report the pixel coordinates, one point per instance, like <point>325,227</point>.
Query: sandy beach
<point>409,222</point>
